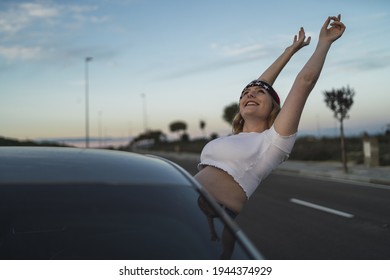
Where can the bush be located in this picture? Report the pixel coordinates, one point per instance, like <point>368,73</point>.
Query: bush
<point>323,149</point>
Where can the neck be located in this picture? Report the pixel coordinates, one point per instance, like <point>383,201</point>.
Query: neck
<point>255,126</point>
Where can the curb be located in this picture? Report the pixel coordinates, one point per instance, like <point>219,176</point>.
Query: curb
<point>334,175</point>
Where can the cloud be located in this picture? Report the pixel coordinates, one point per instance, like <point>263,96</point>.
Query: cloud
<point>366,60</point>
<point>37,30</point>
<point>225,57</point>
<point>20,16</point>
<point>365,64</point>
<point>239,50</point>
<point>19,52</point>
<point>36,10</point>
<point>213,65</point>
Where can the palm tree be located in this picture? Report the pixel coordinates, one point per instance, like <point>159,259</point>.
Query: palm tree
<point>202,125</point>
<point>340,101</point>
<point>178,126</point>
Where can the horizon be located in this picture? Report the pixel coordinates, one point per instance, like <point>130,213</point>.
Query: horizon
<point>106,141</point>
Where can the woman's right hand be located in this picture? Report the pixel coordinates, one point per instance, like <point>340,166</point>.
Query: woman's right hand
<point>299,42</point>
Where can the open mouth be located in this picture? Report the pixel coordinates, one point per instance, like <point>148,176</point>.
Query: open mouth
<point>251,103</point>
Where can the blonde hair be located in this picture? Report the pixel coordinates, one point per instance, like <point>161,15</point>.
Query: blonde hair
<point>238,120</point>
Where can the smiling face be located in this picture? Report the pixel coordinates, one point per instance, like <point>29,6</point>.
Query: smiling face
<point>255,102</point>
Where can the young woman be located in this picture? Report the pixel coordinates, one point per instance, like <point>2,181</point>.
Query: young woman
<point>232,167</point>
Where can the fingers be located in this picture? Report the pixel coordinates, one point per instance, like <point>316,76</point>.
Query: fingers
<point>326,23</point>
<point>301,34</point>
<point>332,29</point>
<point>300,39</point>
<point>307,41</point>
<point>336,18</point>
<point>334,22</point>
<point>331,19</point>
<point>338,25</point>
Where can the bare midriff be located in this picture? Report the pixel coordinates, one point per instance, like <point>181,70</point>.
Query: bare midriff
<point>222,187</point>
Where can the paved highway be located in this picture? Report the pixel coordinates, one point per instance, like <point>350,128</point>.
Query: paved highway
<point>295,217</point>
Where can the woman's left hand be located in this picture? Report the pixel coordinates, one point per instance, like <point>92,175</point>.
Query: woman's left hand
<point>335,30</point>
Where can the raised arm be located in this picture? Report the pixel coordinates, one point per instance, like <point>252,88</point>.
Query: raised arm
<point>272,72</point>
<point>287,121</point>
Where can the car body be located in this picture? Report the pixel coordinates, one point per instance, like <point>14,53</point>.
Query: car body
<point>72,203</point>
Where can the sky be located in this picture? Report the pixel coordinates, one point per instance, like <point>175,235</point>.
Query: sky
<point>155,62</point>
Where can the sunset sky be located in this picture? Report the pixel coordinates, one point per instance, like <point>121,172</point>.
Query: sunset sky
<point>155,62</point>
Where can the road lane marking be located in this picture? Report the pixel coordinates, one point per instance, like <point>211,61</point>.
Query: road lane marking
<point>321,208</point>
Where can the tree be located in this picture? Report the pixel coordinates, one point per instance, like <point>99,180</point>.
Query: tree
<point>155,135</point>
<point>340,101</point>
<point>202,125</point>
<point>387,130</point>
<point>229,112</point>
<point>148,138</point>
<point>178,126</point>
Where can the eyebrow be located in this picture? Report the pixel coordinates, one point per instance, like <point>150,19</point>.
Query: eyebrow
<point>258,88</point>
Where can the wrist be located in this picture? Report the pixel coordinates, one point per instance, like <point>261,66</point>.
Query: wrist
<point>324,44</point>
<point>326,41</point>
<point>290,51</point>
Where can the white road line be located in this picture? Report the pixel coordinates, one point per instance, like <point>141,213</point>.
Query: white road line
<point>321,208</point>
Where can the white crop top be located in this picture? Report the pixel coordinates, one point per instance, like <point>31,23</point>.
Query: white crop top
<point>248,157</point>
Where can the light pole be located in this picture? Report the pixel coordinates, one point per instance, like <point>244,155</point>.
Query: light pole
<point>100,128</point>
<point>87,59</point>
<point>145,116</point>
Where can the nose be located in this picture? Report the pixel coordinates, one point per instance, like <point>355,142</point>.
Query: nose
<point>251,94</point>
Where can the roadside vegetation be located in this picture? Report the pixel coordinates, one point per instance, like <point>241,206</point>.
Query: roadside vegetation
<point>306,148</point>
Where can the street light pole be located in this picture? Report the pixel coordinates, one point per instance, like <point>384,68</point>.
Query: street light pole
<point>100,128</point>
<point>87,59</point>
<point>144,107</point>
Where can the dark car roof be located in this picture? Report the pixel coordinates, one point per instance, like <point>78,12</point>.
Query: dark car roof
<point>72,201</point>
<point>64,165</point>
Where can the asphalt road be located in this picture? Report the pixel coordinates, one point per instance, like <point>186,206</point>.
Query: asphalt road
<point>304,218</point>
<point>293,217</point>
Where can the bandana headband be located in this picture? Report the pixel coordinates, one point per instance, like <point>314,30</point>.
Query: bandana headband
<point>266,86</point>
